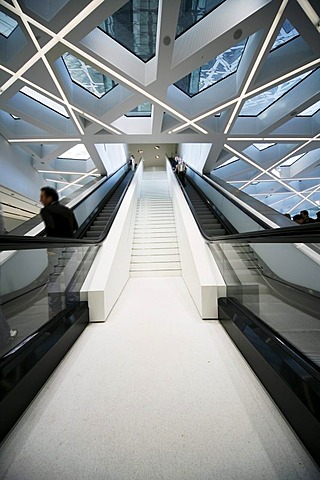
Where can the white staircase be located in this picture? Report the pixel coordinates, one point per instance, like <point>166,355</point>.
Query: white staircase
<point>155,249</point>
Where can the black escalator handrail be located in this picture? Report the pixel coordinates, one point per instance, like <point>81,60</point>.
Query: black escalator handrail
<point>232,200</point>
<point>295,234</point>
<point>15,242</point>
<point>10,242</point>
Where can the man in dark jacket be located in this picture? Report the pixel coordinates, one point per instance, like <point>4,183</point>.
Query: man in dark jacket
<point>59,220</point>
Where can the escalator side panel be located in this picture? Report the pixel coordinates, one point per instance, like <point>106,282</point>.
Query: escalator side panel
<point>297,397</point>
<point>22,376</point>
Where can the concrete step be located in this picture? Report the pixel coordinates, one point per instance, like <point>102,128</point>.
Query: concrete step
<point>154,245</point>
<point>158,273</point>
<point>154,251</point>
<point>154,266</point>
<point>159,258</point>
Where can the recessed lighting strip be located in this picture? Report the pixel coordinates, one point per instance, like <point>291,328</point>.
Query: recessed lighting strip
<point>62,172</point>
<point>283,159</point>
<point>264,172</point>
<point>272,139</point>
<point>256,64</point>
<point>78,180</point>
<point>48,67</point>
<point>307,197</point>
<point>42,140</point>
<point>60,38</point>
<point>54,40</point>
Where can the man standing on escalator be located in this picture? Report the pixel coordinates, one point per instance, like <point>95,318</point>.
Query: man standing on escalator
<point>58,219</point>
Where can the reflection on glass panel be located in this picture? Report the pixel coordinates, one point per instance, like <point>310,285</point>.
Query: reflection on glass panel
<point>212,72</point>
<point>7,25</point>
<point>87,77</point>
<point>36,285</point>
<point>287,33</point>
<point>78,152</point>
<point>135,27</point>
<point>256,105</point>
<point>47,102</point>
<point>262,146</point>
<point>308,112</point>
<point>142,110</point>
<point>193,11</point>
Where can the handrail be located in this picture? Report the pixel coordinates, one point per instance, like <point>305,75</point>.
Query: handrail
<point>296,234</point>
<point>11,242</point>
<point>232,200</point>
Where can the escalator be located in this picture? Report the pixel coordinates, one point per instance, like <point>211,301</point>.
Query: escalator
<point>272,303</point>
<point>40,282</point>
<point>107,210</point>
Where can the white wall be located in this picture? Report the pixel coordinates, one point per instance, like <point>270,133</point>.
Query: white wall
<point>195,154</point>
<point>113,155</point>
<point>17,172</point>
<point>149,153</point>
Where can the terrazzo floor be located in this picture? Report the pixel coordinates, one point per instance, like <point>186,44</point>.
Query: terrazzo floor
<point>154,393</point>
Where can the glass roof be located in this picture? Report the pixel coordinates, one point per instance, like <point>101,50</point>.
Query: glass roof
<point>135,27</point>
<point>78,152</point>
<point>262,146</point>
<point>212,72</point>
<point>256,105</point>
<point>308,112</point>
<point>191,12</point>
<point>287,33</point>
<point>291,160</point>
<point>47,102</point>
<point>142,110</point>
<point>227,162</point>
<point>87,77</point>
<point>7,25</point>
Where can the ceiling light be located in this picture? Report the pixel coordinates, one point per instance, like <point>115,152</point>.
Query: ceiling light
<point>157,147</point>
<point>43,140</point>
<point>64,172</point>
<point>157,156</point>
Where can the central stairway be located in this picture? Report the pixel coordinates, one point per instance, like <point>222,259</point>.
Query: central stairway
<point>155,250</point>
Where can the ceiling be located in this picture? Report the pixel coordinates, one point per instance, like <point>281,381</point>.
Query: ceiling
<point>236,75</point>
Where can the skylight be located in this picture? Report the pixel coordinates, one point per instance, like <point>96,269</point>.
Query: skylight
<point>262,146</point>
<point>212,72</point>
<point>308,112</point>
<point>87,77</point>
<point>287,33</point>
<point>256,105</point>
<point>292,160</point>
<point>47,102</point>
<point>7,25</point>
<point>192,12</point>
<point>135,27</point>
<point>142,110</point>
<point>78,152</point>
<point>224,164</point>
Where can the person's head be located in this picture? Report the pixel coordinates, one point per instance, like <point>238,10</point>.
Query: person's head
<point>318,215</point>
<point>298,218</point>
<point>304,214</point>
<point>48,195</point>
<point>287,215</point>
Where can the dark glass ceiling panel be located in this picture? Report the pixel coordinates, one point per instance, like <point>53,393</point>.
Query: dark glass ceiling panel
<point>256,105</point>
<point>134,26</point>
<point>192,11</point>
<point>212,72</point>
<point>142,110</point>
<point>87,77</point>
<point>7,25</point>
<point>287,33</point>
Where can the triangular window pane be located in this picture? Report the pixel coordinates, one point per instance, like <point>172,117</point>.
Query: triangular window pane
<point>287,33</point>
<point>87,77</point>
<point>256,105</point>
<point>212,72</point>
<point>191,13</point>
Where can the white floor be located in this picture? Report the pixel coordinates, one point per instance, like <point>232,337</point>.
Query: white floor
<point>153,393</point>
